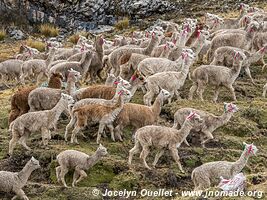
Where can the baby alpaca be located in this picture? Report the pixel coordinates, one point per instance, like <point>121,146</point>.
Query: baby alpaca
<point>43,121</point>
<point>15,181</point>
<point>162,138</point>
<point>209,173</point>
<point>79,161</point>
<point>210,124</point>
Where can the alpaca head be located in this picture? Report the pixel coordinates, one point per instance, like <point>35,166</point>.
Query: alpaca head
<point>101,150</point>
<point>194,119</point>
<point>263,50</point>
<point>170,46</point>
<point>164,94</point>
<point>33,163</point>
<point>249,149</point>
<point>239,56</point>
<point>122,83</point>
<point>67,98</point>
<point>230,108</point>
<point>253,27</point>
<point>73,75</point>
<point>57,75</point>
<point>126,95</point>
<point>137,78</point>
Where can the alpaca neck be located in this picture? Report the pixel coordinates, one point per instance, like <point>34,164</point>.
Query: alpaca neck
<point>92,160</point>
<point>198,44</point>
<point>50,58</point>
<point>152,44</point>
<point>223,119</point>
<point>256,56</point>
<point>71,88</point>
<point>57,110</point>
<point>235,70</point>
<point>25,173</point>
<point>241,162</point>
<point>100,51</point>
<point>156,107</point>
<point>184,131</point>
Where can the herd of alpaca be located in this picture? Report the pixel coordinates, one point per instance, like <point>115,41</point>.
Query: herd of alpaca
<point>158,62</point>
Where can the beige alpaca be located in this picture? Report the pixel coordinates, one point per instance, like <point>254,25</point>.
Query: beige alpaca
<point>15,181</point>
<point>113,60</point>
<point>209,173</point>
<point>137,115</point>
<point>36,67</point>
<point>91,101</point>
<point>223,56</point>
<point>171,81</point>
<point>210,122</point>
<point>79,161</point>
<point>161,138</point>
<point>217,76</point>
<point>43,121</point>
<point>46,98</point>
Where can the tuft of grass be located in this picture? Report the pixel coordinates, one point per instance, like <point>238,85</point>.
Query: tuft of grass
<point>75,37</point>
<point>2,34</point>
<point>40,46</point>
<point>49,30</point>
<point>122,24</point>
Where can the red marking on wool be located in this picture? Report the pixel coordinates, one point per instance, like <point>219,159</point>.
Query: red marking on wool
<point>191,116</point>
<point>116,82</point>
<point>133,77</point>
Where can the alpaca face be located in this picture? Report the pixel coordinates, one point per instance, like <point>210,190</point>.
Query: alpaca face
<point>165,94</point>
<point>230,107</point>
<point>67,98</point>
<point>102,150</point>
<point>250,149</point>
<point>34,163</point>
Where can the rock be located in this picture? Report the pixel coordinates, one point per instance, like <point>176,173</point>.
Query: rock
<point>17,35</point>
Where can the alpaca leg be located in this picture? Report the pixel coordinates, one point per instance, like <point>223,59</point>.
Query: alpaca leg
<point>170,98</point>
<point>75,177</point>
<point>99,75</point>
<point>4,80</point>
<point>232,90</point>
<point>143,156</point>
<point>39,78</point>
<point>177,94</point>
<point>58,172</point>
<point>157,157</point>
<point>100,131</point>
<point>216,93</point>
<point>247,70</point>
<point>118,132</point>
<point>192,91</point>
<point>13,142</point>
<point>69,126</point>
<point>82,175</point>
<point>174,153</point>
<point>45,136</point>
<point>111,129</point>
<point>63,172</point>
<point>186,142</point>
<point>74,135</point>
<point>200,90</point>
<point>209,137</point>
<point>20,193</point>
<point>22,141</point>
<point>264,90</point>
<point>133,151</point>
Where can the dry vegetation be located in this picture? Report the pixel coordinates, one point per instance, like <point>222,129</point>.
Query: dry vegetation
<point>48,30</point>
<point>40,46</point>
<point>122,24</point>
<point>2,34</point>
<point>75,37</point>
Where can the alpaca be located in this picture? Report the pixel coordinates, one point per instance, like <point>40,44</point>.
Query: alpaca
<point>97,113</point>
<point>81,66</point>
<point>209,173</point>
<point>210,122</point>
<point>217,76</point>
<point>15,181</point>
<point>96,64</point>
<point>10,69</point>
<point>138,115</point>
<point>110,79</point>
<point>163,51</point>
<point>65,53</point>
<point>171,81</point>
<point>37,67</point>
<point>162,137</point>
<point>150,66</point>
<point>92,101</point>
<point>113,60</point>
<point>223,56</point>
<point>47,98</point>
<point>19,100</point>
<point>240,40</point>
<point>79,161</point>
<point>43,121</point>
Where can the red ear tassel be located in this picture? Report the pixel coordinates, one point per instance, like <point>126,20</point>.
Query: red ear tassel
<point>133,77</point>
<point>116,82</point>
<point>191,116</point>
<point>120,92</point>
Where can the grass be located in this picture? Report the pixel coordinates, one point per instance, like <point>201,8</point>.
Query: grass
<point>75,37</point>
<point>2,34</point>
<point>122,24</point>
<point>49,30</point>
<point>40,46</point>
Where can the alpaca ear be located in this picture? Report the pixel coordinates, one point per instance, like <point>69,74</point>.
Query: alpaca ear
<point>100,146</point>
<point>244,143</point>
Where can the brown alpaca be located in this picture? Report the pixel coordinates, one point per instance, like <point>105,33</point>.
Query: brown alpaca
<point>19,100</point>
